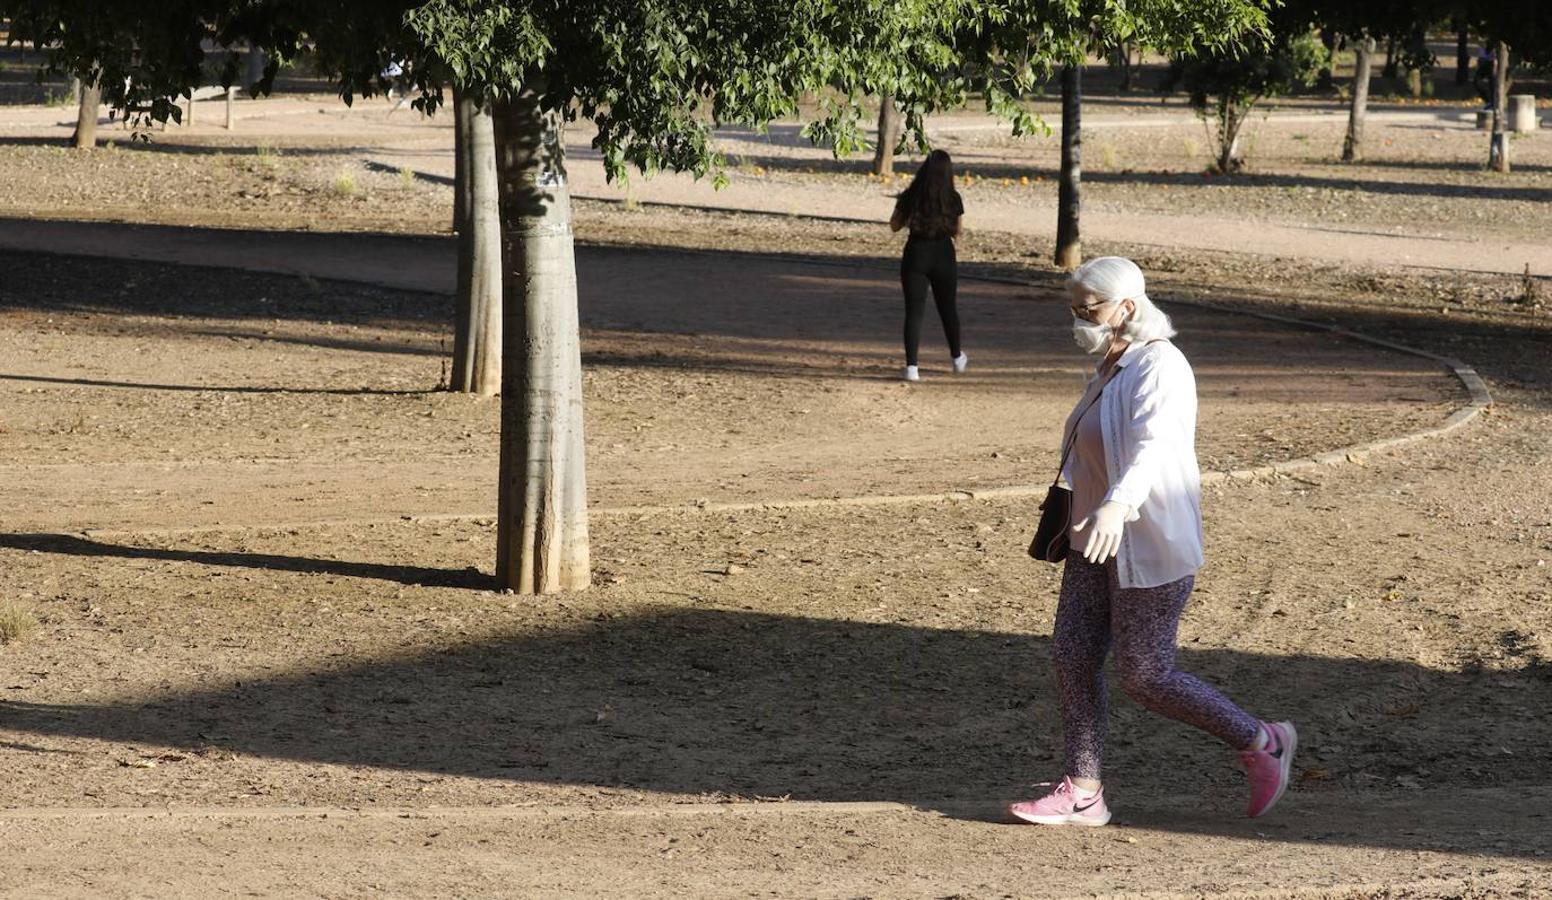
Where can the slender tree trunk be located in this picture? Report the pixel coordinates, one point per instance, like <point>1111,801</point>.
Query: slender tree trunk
<point>1069,201</point>
<point>888,136</point>
<point>1231,118</point>
<point>1328,38</point>
<point>85,137</point>
<point>1418,50</point>
<point>1121,59</point>
<point>460,163</point>
<point>542,540</point>
<point>1390,58</point>
<point>1462,52</point>
<point>477,331</point>
<point>1498,150</point>
<point>1352,147</point>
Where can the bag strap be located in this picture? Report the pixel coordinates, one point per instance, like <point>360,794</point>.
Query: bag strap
<point>1072,439</point>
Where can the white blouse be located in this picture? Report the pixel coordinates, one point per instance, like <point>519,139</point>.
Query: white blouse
<point>1148,415</point>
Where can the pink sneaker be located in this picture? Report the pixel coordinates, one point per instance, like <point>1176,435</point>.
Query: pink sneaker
<point>1064,807</point>
<point>1269,767</point>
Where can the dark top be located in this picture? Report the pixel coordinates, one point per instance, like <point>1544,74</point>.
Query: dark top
<point>958,205</point>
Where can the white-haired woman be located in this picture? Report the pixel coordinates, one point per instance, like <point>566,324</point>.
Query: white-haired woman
<point>1136,545</point>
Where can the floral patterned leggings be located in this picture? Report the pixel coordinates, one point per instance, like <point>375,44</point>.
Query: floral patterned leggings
<point>1093,612</point>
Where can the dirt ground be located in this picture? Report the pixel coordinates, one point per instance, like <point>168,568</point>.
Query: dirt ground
<point>256,543</point>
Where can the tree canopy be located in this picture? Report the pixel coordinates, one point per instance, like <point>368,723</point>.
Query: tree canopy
<point>654,76</point>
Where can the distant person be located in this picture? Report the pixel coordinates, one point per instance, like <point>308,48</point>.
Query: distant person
<point>931,209</point>
<point>1135,548</point>
<point>1482,79</point>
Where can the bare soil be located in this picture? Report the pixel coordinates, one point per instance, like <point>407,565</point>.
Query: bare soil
<point>224,497</point>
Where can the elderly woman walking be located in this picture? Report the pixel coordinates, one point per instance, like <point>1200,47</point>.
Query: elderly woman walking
<point>1136,545</point>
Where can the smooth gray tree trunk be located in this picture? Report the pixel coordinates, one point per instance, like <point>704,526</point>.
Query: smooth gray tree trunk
<point>1069,244</point>
<point>542,536</point>
<point>460,175</point>
<point>85,137</point>
<point>477,316</point>
<point>1352,146</point>
<point>1498,150</point>
<point>888,136</point>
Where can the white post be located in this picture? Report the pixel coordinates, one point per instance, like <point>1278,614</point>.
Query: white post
<point>1522,113</point>
<point>230,93</point>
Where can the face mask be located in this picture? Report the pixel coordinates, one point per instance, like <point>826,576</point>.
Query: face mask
<point>1090,336</point>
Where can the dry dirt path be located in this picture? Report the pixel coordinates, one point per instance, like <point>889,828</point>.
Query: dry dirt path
<point>245,413</point>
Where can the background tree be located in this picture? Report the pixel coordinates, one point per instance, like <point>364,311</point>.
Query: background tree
<point>1069,197</point>
<point>88,108</point>
<point>1226,85</point>
<point>888,136</point>
<point>477,215</point>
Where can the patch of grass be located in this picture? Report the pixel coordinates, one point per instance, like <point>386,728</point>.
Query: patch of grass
<point>64,97</point>
<point>345,185</point>
<point>267,156</point>
<point>406,178</point>
<point>1191,147</point>
<point>15,623</point>
<point>1109,157</point>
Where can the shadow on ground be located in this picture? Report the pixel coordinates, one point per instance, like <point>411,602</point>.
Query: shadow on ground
<point>727,702</point>
<point>71,545</point>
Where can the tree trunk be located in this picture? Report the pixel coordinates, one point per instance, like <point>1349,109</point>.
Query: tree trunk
<point>1069,201</point>
<point>460,167</point>
<point>1352,147</point>
<point>542,541</point>
<point>85,137</point>
<point>1121,59</point>
<point>888,136</point>
<point>1230,119</point>
<point>1462,52</point>
<point>1417,50</point>
<point>1498,150</point>
<point>1325,82</point>
<point>1390,58</point>
<point>477,330</point>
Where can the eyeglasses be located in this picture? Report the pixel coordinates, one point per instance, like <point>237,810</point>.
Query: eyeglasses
<point>1088,311</point>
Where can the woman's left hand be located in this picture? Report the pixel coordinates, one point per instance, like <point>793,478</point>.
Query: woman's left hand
<point>1104,530</point>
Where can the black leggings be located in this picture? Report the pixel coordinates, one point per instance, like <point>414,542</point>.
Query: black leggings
<point>929,261</point>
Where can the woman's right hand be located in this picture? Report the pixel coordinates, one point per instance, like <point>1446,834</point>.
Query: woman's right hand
<point>1104,526</point>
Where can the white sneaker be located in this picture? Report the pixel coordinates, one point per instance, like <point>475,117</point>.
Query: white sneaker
<point>910,374</point>
<point>961,362</point>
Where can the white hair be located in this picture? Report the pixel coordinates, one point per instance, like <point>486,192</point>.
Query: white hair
<point>1116,278</point>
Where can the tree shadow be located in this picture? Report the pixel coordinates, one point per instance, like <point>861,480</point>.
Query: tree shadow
<point>200,388</point>
<point>726,702</point>
<point>84,284</point>
<point>71,545</point>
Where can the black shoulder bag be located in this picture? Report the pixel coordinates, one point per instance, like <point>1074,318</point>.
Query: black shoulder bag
<point>1050,543</point>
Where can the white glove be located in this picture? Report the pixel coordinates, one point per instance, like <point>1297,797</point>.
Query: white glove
<point>1104,530</point>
